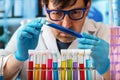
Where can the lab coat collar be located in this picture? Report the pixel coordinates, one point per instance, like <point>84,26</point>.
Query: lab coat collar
<point>49,39</point>
<point>89,26</point>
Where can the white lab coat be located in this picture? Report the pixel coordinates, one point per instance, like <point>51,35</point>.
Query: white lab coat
<point>48,41</point>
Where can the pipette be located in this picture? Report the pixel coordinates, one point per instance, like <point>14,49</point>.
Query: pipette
<point>61,28</point>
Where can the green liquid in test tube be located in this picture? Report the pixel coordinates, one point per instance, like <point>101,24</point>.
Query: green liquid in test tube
<point>69,65</point>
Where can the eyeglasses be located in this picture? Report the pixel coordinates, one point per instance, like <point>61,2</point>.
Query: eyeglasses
<point>74,14</point>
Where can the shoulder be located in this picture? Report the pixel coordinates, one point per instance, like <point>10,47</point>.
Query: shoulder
<point>97,25</point>
<point>100,30</point>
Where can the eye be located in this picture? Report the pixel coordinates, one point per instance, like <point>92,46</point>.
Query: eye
<point>56,13</point>
<point>76,12</point>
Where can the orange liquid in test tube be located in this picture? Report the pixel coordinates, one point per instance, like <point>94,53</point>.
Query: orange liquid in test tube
<point>37,72</point>
<point>37,67</point>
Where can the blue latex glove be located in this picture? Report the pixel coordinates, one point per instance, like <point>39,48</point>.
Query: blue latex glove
<point>100,51</point>
<point>27,38</point>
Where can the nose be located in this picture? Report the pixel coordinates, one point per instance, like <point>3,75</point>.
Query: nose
<point>67,22</point>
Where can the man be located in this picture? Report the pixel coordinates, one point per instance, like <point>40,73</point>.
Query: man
<point>70,14</point>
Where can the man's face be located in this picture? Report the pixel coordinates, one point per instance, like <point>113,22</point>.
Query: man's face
<point>75,25</point>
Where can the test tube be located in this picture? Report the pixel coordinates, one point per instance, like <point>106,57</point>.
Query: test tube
<point>43,72</point>
<point>88,64</point>
<point>37,66</point>
<point>55,66</point>
<point>69,64</point>
<point>81,64</point>
<point>30,67</point>
<point>1,67</point>
<point>75,65</point>
<point>50,60</point>
<point>63,65</point>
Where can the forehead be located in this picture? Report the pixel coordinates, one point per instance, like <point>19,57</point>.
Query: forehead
<point>78,4</point>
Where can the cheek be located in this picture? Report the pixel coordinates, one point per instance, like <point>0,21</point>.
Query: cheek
<point>78,25</point>
<point>55,32</point>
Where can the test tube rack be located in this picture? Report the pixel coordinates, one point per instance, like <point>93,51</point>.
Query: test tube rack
<point>72,64</point>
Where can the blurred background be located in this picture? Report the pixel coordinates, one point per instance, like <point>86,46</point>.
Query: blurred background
<point>12,12</point>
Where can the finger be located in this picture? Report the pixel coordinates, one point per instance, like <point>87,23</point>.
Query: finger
<point>31,30</point>
<point>85,46</point>
<point>87,41</point>
<point>37,24</point>
<point>24,34</point>
<point>89,36</point>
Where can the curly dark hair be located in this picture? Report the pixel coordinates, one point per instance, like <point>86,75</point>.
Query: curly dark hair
<point>62,3</point>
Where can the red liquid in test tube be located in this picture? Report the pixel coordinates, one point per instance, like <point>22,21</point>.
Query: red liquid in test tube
<point>81,64</point>
<point>50,69</point>
<point>82,73</point>
<point>30,70</point>
<point>49,63</point>
<point>43,72</point>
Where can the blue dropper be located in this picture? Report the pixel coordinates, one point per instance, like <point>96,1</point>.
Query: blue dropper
<point>61,28</point>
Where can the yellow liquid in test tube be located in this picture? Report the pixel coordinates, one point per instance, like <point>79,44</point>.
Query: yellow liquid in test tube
<point>63,71</point>
<point>37,72</point>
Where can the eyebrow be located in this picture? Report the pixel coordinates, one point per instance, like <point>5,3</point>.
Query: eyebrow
<point>66,10</point>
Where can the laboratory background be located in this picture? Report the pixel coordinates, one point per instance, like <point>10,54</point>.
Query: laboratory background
<point>12,12</point>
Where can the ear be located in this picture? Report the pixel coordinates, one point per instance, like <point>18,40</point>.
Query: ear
<point>88,7</point>
<point>44,9</point>
<point>46,14</point>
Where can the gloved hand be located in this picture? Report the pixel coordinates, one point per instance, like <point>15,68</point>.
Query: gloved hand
<point>27,38</point>
<point>100,51</point>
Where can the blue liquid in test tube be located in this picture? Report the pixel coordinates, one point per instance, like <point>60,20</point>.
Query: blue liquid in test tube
<point>55,67</point>
<point>88,72</point>
<point>1,77</point>
<point>55,72</point>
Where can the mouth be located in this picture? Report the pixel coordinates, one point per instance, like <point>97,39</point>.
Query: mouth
<point>65,34</point>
